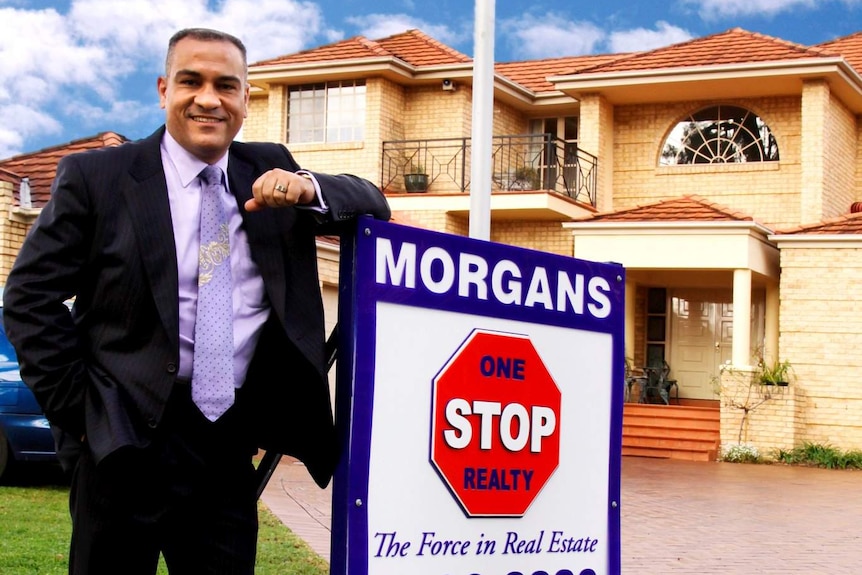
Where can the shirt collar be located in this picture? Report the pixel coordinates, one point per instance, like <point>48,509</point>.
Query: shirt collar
<point>188,166</point>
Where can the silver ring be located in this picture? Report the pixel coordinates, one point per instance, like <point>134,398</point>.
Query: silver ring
<point>280,188</point>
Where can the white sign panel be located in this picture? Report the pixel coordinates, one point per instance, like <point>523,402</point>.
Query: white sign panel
<point>483,432</point>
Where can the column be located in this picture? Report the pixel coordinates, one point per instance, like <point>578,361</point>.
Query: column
<point>741,353</point>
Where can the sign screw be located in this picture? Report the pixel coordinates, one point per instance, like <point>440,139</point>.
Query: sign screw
<point>358,503</point>
<point>614,504</point>
<point>367,232</point>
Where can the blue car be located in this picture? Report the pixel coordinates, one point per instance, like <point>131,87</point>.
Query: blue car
<point>25,435</point>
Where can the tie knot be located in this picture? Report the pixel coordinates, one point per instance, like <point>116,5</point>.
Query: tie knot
<point>211,175</point>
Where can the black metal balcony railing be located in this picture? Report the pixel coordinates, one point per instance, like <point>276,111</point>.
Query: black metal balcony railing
<point>519,162</point>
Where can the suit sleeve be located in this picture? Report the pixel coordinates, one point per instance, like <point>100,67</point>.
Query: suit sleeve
<point>37,322</point>
<point>346,196</point>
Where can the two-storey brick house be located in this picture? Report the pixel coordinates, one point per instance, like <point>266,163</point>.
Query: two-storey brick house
<point>722,172</point>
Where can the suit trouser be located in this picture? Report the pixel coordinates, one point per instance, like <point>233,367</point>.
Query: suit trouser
<point>189,495</point>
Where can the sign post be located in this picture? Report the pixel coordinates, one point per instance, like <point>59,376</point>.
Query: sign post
<point>480,404</point>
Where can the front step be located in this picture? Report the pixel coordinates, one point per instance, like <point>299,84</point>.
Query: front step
<point>671,431</point>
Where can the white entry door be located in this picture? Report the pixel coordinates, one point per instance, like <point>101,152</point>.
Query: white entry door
<point>701,338</point>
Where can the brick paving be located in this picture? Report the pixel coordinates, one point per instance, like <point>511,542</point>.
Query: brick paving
<point>682,517</point>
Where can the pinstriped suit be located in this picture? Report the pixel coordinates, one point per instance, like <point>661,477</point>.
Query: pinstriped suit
<point>106,238</point>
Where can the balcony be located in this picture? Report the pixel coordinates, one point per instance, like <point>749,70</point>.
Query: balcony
<point>534,176</point>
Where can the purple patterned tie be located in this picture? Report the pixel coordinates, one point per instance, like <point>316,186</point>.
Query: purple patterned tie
<point>212,376</point>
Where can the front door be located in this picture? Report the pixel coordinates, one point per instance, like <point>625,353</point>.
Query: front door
<point>701,338</point>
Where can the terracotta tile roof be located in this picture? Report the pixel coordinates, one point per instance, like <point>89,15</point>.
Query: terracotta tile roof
<point>734,46</point>
<point>850,47</point>
<point>41,166</point>
<point>532,74</point>
<point>690,208</point>
<point>419,49</point>
<point>845,224</point>
<point>413,47</point>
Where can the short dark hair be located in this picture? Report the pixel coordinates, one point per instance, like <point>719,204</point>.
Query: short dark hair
<point>205,34</point>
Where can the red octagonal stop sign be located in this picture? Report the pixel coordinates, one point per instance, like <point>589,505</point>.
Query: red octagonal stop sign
<point>495,424</point>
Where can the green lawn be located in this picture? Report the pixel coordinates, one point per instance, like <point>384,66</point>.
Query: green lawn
<point>35,532</point>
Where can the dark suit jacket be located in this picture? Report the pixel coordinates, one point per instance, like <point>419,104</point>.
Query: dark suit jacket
<point>105,237</point>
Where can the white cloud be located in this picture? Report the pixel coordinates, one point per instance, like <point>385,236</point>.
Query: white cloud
<point>550,36</point>
<point>377,26</point>
<point>81,65</point>
<point>639,39</point>
<point>20,122</point>
<point>722,9</point>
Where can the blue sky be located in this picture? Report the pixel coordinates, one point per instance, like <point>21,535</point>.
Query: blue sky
<point>72,69</point>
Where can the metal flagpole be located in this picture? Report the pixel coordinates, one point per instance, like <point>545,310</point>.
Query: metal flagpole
<point>483,120</point>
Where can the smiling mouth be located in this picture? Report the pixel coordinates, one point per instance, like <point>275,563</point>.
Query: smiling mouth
<point>205,120</point>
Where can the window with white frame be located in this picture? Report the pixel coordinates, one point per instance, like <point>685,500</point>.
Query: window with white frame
<point>331,112</point>
<point>720,135</point>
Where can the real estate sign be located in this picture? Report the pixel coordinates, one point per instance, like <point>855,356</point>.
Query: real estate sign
<point>480,399</point>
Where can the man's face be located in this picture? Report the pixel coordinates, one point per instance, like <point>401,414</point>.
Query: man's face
<point>205,96</point>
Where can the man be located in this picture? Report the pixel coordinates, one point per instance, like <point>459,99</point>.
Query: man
<point>165,462</point>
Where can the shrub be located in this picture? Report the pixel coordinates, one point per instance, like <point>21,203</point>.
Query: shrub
<point>817,455</point>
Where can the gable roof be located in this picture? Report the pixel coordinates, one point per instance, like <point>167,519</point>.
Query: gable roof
<point>41,166</point>
<point>412,46</point>
<point>733,46</point>
<point>690,208</point>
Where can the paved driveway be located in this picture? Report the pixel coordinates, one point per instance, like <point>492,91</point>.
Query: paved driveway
<point>684,517</point>
<point>703,518</point>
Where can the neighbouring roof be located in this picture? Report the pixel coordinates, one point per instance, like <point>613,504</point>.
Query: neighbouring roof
<point>691,208</point>
<point>41,166</point>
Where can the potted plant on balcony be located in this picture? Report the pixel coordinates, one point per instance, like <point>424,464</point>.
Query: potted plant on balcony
<point>778,373</point>
<point>416,179</point>
<point>526,178</point>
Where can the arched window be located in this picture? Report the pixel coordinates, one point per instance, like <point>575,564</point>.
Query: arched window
<point>720,135</point>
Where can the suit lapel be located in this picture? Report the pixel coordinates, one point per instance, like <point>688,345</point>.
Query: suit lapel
<point>147,197</point>
<point>266,250</point>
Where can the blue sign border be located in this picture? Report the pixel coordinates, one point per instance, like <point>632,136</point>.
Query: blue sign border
<point>359,292</point>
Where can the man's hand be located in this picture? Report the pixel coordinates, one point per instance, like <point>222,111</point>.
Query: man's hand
<point>279,188</point>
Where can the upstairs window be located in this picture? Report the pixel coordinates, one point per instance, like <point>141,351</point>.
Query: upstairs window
<point>331,112</point>
<point>720,135</point>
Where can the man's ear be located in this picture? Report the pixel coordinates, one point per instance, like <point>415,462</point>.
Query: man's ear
<point>162,87</point>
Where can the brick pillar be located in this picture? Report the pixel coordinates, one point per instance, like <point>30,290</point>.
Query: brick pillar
<point>596,136</point>
<point>815,108</point>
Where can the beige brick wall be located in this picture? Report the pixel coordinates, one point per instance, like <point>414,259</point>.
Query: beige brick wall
<point>437,221</point>
<point>254,127</point>
<point>541,236</point>
<point>769,191</point>
<point>821,333</point>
